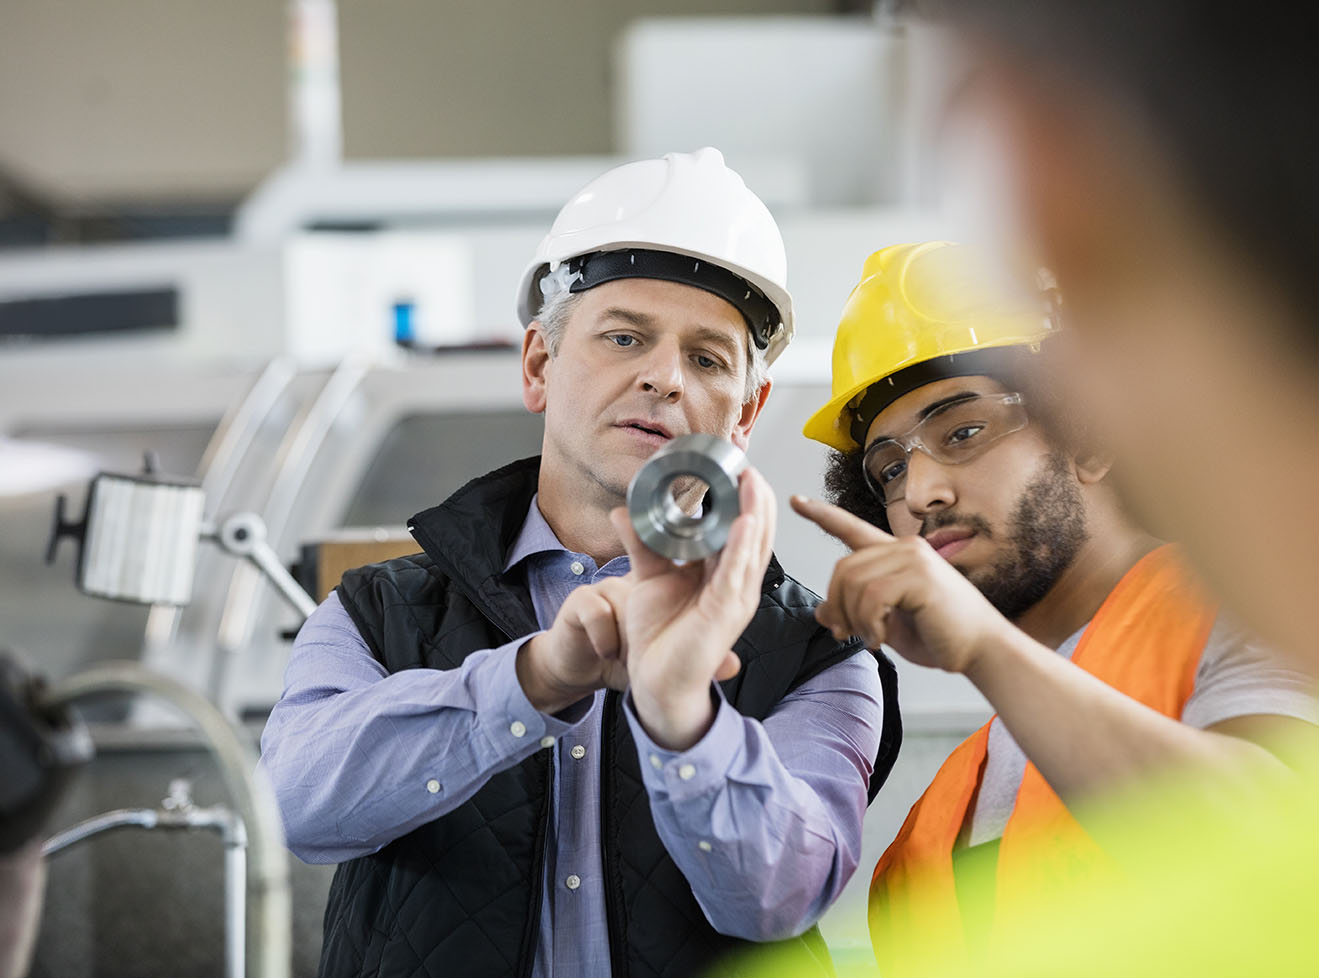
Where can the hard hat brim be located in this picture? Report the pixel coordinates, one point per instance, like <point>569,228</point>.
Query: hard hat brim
<point>832,424</point>
<point>529,298</point>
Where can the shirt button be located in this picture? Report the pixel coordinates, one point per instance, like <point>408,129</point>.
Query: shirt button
<point>655,762</point>
<point>517,728</point>
<point>687,772</point>
<point>433,786</point>
<point>704,846</point>
<point>577,567</point>
<point>547,741</point>
<point>578,752</point>
<point>573,881</point>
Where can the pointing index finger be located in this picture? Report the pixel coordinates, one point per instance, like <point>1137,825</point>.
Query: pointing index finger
<point>851,530</point>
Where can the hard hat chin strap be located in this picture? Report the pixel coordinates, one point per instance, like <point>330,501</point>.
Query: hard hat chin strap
<point>587,271</point>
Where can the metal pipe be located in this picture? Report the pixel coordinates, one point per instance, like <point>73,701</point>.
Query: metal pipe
<point>119,818</point>
<point>233,834</point>
<point>315,104</point>
<point>268,884</point>
<point>235,898</point>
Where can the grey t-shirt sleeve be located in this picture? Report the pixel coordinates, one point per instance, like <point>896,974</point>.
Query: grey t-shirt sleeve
<point>1238,676</point>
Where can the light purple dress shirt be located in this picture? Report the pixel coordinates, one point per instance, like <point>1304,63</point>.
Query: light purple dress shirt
<point>763,819</point>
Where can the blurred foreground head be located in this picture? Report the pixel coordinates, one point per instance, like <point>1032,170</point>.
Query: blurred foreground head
<point>1159,158</point>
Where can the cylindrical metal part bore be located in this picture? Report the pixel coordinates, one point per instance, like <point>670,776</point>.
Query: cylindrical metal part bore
<point>660,522</point>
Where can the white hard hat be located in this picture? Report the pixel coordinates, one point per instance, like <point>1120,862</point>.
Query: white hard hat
<point>671,218</point>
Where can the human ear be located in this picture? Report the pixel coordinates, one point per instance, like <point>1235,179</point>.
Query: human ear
<point>741,434</point>
<point>535,368</point>
<point>1092,467</point>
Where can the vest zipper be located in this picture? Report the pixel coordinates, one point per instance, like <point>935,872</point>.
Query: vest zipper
<point>616,925</point>
<point>531,933</point>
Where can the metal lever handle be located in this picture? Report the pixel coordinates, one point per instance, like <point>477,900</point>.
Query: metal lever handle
<point>244,535</point>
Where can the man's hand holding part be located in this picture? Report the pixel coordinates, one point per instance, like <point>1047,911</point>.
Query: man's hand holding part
<point>681,620</point>
<point>584,650</point>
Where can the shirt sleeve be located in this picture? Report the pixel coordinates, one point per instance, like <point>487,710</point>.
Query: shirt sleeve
<point>1240,677</point>
<point>359,757</point>
<point>764,819</point>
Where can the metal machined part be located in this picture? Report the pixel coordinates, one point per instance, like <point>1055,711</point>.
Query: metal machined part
<point>661,523</point>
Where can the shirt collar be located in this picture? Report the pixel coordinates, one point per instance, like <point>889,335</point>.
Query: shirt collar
<point>535,537</point>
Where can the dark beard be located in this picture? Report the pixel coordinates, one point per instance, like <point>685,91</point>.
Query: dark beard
<point>1047,529</point>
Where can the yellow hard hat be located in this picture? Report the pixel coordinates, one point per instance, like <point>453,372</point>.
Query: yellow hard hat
<point>915,304</point>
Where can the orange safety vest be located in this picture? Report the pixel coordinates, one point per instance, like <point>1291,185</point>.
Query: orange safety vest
<point>1146,640</point>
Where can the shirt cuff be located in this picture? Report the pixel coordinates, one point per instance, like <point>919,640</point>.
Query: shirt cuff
<point>679,775</point>
<point>505,717</point>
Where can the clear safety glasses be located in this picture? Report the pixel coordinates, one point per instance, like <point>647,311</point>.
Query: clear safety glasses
<point>953,433</point>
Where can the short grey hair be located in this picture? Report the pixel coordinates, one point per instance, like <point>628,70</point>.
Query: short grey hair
<point>559,307</point>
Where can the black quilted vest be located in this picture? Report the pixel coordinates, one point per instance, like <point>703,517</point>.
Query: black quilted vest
<point>462,895</point>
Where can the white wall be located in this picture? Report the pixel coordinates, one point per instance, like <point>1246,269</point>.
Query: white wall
<point>152,100</point>
<point>135,98</point>
<point>829,91</point>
